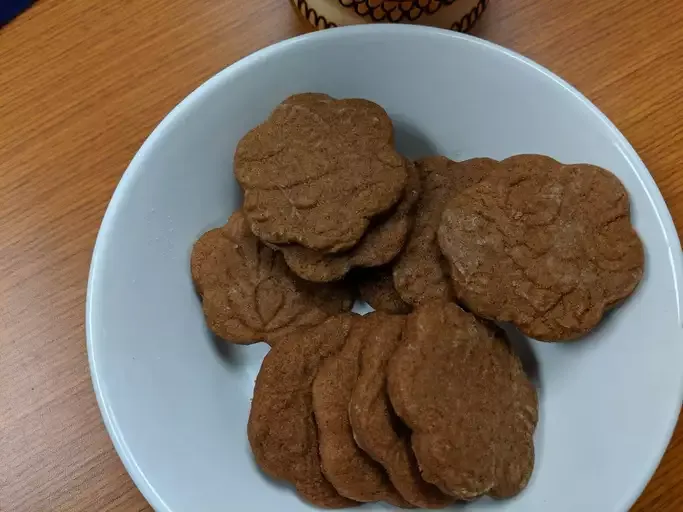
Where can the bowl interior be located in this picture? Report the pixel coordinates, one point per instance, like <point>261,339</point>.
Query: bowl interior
<point>176,401</point>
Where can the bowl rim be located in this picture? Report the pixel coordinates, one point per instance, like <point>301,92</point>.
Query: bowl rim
<point>133,169</point>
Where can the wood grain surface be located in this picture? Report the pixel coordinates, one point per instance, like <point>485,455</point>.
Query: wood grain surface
<point>81,86</point>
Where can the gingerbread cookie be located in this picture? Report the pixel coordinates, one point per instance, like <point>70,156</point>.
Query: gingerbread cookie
<point>380,244</point>
<point>375,426</point>
<point>281,429</point>
<point>318,171</point>
<point>457,384</point>
<point>248,293</point>
<point>420,273</point>
<point>546,246</point>
<point>376,287</point>
<point>350,470</point>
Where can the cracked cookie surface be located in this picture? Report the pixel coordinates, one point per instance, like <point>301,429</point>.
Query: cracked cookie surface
<point>545,246</point>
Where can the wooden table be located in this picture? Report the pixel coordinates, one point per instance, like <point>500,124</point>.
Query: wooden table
<point>83,83</point>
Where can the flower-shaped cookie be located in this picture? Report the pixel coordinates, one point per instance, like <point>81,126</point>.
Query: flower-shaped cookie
<point>545,246</point>
<point>318,170</point>
<point>472,410</point>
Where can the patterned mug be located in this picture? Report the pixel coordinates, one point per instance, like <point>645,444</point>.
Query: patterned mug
<point>460,15</point>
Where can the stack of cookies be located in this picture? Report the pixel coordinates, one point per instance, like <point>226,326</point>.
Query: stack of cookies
<point>418,411</point>
<point>423,402</point>
<point>324,186</point>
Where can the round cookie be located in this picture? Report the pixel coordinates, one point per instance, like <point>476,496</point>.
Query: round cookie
<point>318,170</point>
<point>348,468</point>
<point>545,246</point>
<point>380,244</point>
<point>281,429</point>
<point>376,428</point>
<point>457,384</point>
<point>376,287</point>
<point>420,273</point>
<point>248,293</point>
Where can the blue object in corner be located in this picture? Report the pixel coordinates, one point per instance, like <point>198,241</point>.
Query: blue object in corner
<point>11,8</point>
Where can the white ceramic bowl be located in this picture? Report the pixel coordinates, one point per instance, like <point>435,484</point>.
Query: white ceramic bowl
<point>176,403</point>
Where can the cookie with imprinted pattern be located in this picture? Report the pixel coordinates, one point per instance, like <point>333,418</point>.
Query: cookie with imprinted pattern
<point>420,272</point>
<point>455,381</point>
<point>545,246</point>
<point>318,170</point>
<point>249,294</point>
<point>376,428</point>
<point>349,469</point>
<point>282,431</point>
